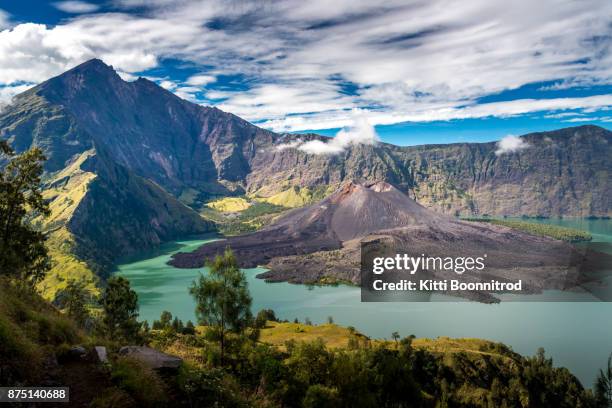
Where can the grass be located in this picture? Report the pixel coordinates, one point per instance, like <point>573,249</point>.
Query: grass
<point>251,219</point>
<point>229,204</point>
<point>545,230</point>
<point>277,334</point>
<point>139,381</point>
<point>30,329</point>
<point>334,336</point>
<point>66,266</point>
<point>293,197</point>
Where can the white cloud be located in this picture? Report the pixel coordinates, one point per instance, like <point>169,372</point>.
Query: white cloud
<point>510,144</point>
<point>200,80</point>
<point>360,132</point>
<point>306,65</point>
<point>8,92</point>
<point>593,119</point>
<point>289,145</point>
<point>166,84</point>
<point>76,7</point>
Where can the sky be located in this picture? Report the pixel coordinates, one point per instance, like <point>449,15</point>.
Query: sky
<point>419,71</point>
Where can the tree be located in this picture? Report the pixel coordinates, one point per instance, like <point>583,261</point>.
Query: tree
<point>263,316</point>
<point>120,305</point>
<point>189,328</point>
<point>177,325</point>
<point>603,386</point>
<point>22,248</point>
<point>395,335</point>
<point>165,319</point>
<point>73,299</point>
<point>222,298</point>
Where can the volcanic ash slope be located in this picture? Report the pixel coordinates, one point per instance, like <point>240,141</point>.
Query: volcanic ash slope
<point>323,240</point>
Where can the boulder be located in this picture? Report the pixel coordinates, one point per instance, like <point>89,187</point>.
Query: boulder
<point>152,358</point>
<point>77,352</point>
<point>101,355</point>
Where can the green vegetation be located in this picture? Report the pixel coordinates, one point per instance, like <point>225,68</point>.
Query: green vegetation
<point>603,385</point>
<point>120,306</point>
<point>167,324</point>
<point>546,230</point>
<point>251,219</point>
<point>223,301</point>
<point>292,197</point>
<point>74,300</point>
<point>236,360</point>
<point>22,247</point>
<point>30,330</point>
<point>305,370</point>
<point>229,204</point>
<point>139,381</point>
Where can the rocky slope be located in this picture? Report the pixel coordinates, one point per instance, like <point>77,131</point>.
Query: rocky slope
<point>199,152</point>
<point>322,242</point>
<point>121,153</point>
<point>563,172</point>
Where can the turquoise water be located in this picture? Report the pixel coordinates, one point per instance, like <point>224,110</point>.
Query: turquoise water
<point>578,335</point>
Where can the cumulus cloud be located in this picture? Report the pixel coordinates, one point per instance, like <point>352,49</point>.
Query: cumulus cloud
<point>8,92</point>
<point>200,80</point>
<point>289,145</point>
<point>360,132</point>
<point>76,7</point>
<point>300,65</point>
<point>510,144</point>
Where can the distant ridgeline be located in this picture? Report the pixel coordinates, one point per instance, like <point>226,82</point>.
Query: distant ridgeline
<point>131,165</point>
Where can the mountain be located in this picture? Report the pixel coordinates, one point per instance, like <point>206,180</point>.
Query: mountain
<point>200,152</point>
<point>323,243</point>
<point>561,173</point>
<point>129,162</point>
<point>101,208</point>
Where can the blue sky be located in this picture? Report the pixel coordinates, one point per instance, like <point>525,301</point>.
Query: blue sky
<point>420,71</point>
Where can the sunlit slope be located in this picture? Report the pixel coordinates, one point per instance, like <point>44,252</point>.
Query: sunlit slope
<point>101,211</point>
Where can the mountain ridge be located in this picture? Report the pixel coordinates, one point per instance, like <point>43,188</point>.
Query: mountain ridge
<point>169,148</point>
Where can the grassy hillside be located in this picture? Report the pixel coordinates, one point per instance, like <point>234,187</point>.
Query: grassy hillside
<point>101,211</point>
<point>293,360</point>
<point>291,364</point>
<point>229,204</point>
<point>252,218</point>
<point>545,230</point>
<point>31,330</point>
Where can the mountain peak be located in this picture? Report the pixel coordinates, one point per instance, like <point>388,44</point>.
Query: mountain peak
<point>93,65</point>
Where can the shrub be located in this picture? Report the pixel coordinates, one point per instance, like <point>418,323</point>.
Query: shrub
<point>139,381</point>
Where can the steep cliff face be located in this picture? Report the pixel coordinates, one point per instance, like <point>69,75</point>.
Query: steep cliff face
<point>123,213</point>
<point>203,152</point>
<point>563,172</point>
<point>145,128</point>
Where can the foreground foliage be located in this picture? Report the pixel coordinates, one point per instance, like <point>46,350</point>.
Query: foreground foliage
<point>368,373</point>
<point>22,247</point>
<point>546,230</point>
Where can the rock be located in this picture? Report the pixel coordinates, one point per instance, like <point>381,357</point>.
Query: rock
<point>101,355</point>
<point>152,358</point>
<point>77,352</point>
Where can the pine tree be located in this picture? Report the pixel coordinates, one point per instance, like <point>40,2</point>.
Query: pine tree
<point>222,298</point>
<point>23,254</point>
<point>120,305</point>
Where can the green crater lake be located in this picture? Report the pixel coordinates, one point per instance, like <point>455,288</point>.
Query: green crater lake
<point>578,335</point>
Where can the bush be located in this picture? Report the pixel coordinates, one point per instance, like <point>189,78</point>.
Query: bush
<point>139,381</point>
<point>264,316</point>
<point>320,396</point>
